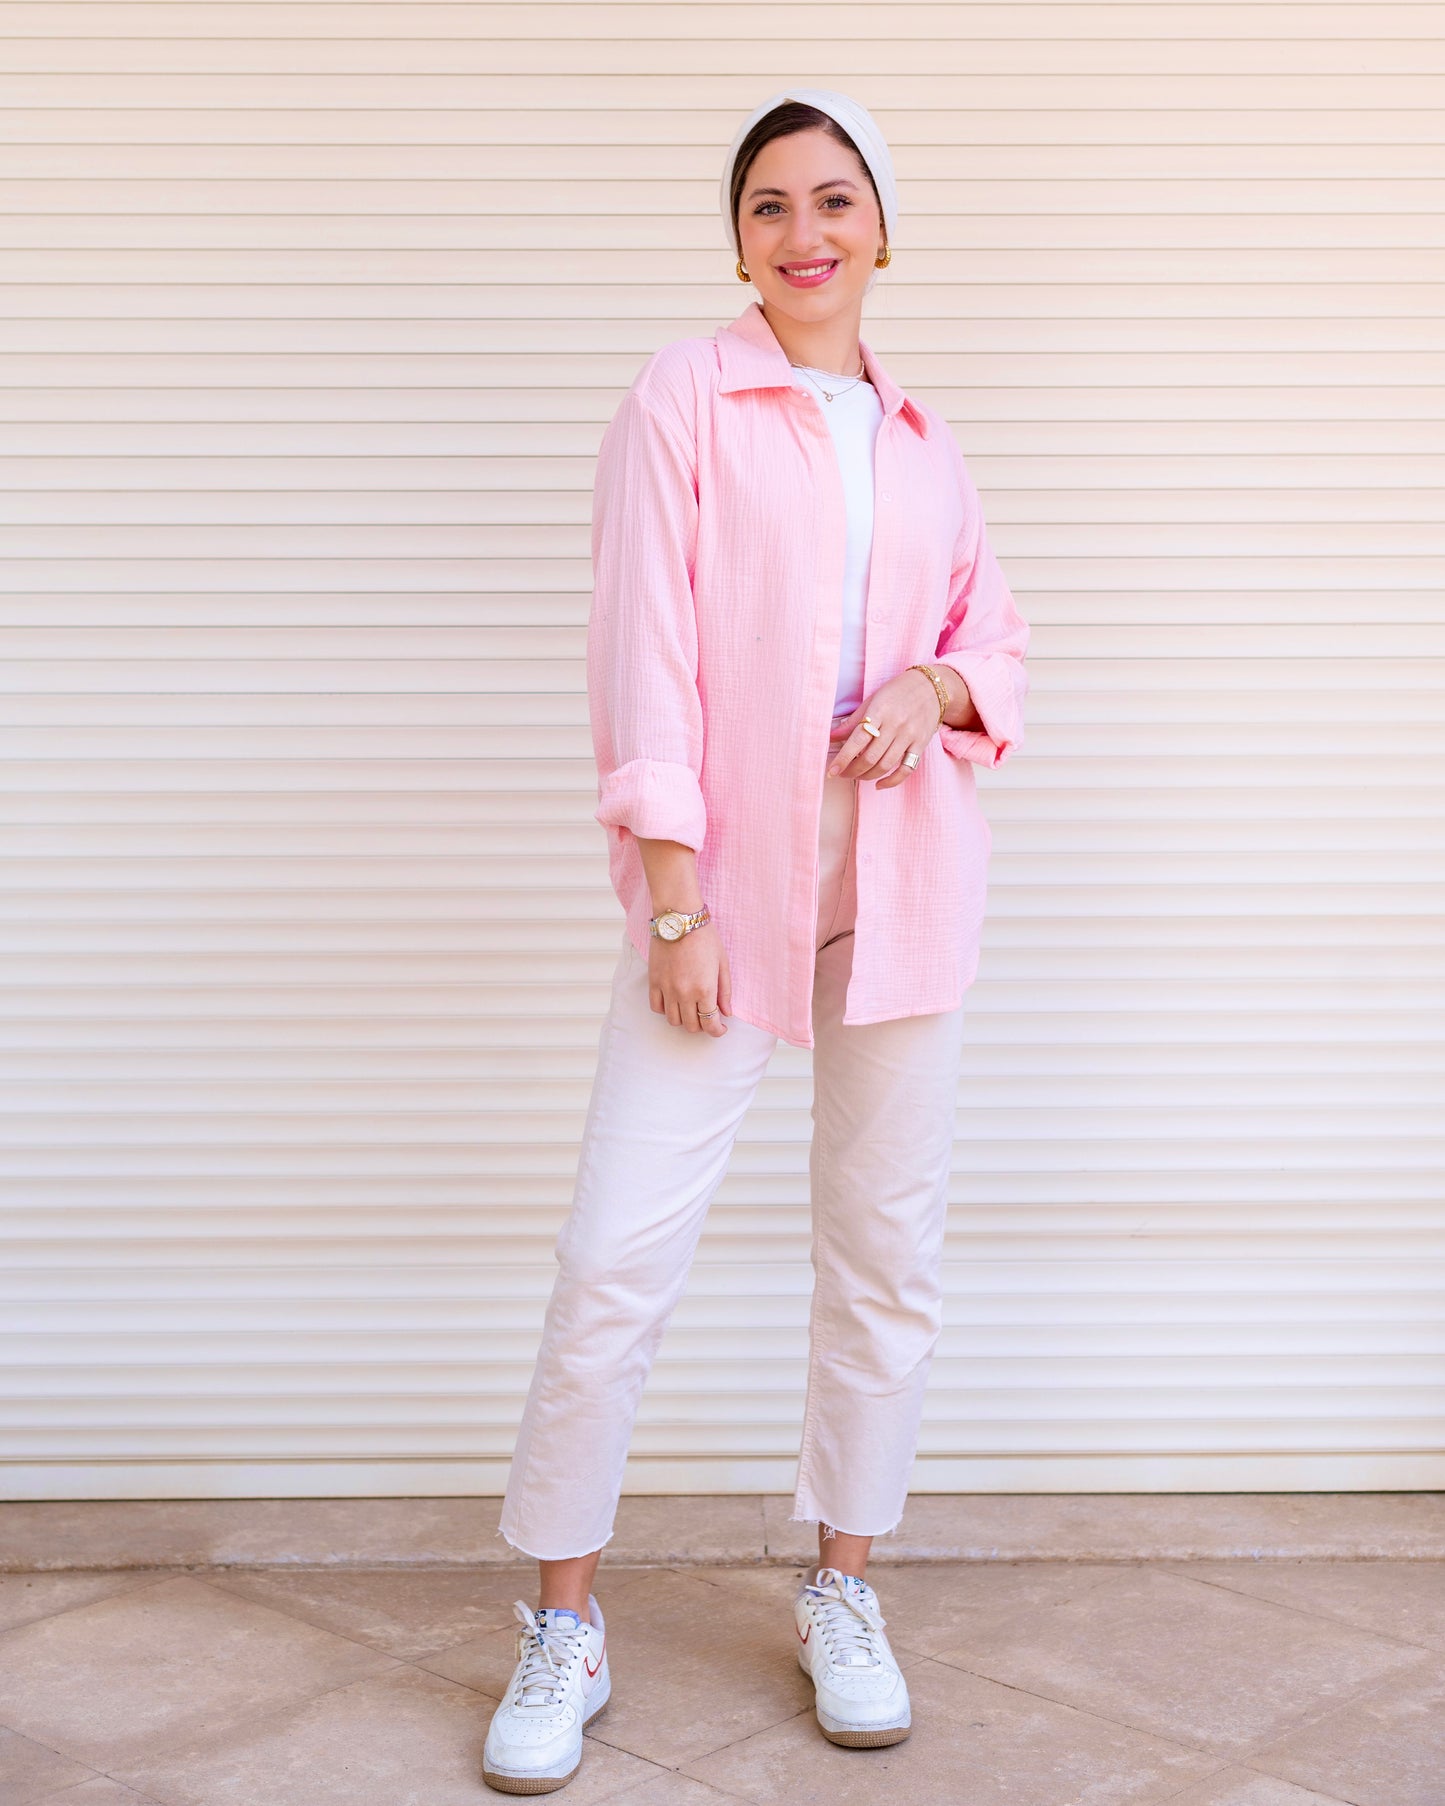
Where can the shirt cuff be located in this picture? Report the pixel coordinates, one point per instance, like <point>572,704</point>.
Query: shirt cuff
<point>656,800</point>
<point>991,684</point>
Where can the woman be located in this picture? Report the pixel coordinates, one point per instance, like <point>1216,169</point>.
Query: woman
<point>800,645</point>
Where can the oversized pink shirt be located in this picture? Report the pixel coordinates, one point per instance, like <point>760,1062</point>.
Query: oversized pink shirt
<point>713,643</point>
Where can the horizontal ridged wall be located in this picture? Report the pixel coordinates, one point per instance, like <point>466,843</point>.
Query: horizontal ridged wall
<point>312,317</point>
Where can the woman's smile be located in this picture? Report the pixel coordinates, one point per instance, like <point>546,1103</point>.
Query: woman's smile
<point>808,275</point>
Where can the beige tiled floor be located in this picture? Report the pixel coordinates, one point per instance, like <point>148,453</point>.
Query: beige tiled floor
<point>1204,1683</point>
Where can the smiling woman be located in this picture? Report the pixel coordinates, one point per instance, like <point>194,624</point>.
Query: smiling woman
<point>800,644</point>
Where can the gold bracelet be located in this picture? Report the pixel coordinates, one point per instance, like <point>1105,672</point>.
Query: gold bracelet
<point>939,685</point>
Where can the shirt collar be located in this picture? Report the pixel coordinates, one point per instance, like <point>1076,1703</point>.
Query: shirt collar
<point>752,358</point>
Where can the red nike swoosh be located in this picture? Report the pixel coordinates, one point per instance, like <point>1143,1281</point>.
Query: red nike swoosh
<point>803,1636</point>
<point>600,1653</point>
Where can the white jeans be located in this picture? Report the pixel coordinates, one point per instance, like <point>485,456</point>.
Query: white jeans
<point>665,1109</point>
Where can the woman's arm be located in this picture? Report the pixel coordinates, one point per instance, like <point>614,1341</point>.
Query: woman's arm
<point>672,879</point>
<point>983,641</point>
<point>642,659</point>
<point>642,652</point>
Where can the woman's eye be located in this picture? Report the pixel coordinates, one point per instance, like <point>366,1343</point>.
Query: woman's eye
<point>845,199</point>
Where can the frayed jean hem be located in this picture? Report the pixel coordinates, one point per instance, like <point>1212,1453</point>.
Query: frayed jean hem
<point>574,1555</point>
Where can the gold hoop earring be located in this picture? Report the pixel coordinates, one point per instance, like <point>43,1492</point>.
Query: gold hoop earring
<point>743,276</point>
<point>882,263</point>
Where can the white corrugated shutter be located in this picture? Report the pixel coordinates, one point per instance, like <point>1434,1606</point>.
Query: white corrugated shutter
<point>312,318</point>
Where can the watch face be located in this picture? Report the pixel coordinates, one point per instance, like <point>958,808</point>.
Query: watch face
<point>670,927</point>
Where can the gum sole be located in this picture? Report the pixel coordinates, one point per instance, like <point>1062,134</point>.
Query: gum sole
<point>516,1784</point>
<point>866,1740</point>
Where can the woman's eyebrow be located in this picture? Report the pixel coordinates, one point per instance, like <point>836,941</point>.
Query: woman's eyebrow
<point>842,182</point>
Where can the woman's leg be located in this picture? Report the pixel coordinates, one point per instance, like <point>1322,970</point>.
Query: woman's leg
<point>837,911</point>
<point>848,1554</point>
<point>664,1112</point>
<point>884,1105</point>
<point>568,1582</point>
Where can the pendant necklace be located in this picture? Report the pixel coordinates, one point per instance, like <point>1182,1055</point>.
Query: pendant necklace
<point>833,376</point>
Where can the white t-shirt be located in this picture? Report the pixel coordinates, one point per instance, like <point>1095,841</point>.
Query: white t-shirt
<point>854,416</point>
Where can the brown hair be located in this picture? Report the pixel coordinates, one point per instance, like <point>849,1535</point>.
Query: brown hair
<point>792,116</point>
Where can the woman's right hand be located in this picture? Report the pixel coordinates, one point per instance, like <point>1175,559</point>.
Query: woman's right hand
<point>690,975</point>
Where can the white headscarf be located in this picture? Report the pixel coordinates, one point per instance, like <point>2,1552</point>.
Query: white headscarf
<point>860,126</point>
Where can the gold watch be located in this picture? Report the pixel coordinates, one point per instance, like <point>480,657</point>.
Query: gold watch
<point>673,924</point>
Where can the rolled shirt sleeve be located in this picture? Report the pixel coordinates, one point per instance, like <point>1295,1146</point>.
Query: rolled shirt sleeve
<point>984,639</point>
<point>642,648</point>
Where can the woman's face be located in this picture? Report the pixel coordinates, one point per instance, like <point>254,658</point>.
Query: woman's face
<point>807,200</point>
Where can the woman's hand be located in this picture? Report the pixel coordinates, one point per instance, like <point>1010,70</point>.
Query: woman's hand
<point>688,976</point>
<point>906,708</point>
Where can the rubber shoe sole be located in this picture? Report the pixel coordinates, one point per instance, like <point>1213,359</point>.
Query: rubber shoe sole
<point>874,1737</point>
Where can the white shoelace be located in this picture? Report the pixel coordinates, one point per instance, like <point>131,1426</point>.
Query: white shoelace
<point>849,1623</point>
<point>546,1656</point>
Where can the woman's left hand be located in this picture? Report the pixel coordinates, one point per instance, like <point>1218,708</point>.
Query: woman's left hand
<point>906,708</point>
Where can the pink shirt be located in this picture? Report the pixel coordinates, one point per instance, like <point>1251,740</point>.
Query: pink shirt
<point>713,643</point>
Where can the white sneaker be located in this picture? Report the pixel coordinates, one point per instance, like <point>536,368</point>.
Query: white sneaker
<point>862,1696</point>
<point>560,1683</point>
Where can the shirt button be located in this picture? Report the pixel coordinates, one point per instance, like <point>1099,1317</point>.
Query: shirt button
<point>867,859</point>
<point>888,495</point>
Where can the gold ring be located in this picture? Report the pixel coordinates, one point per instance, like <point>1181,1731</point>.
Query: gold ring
<point>869,726</point>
